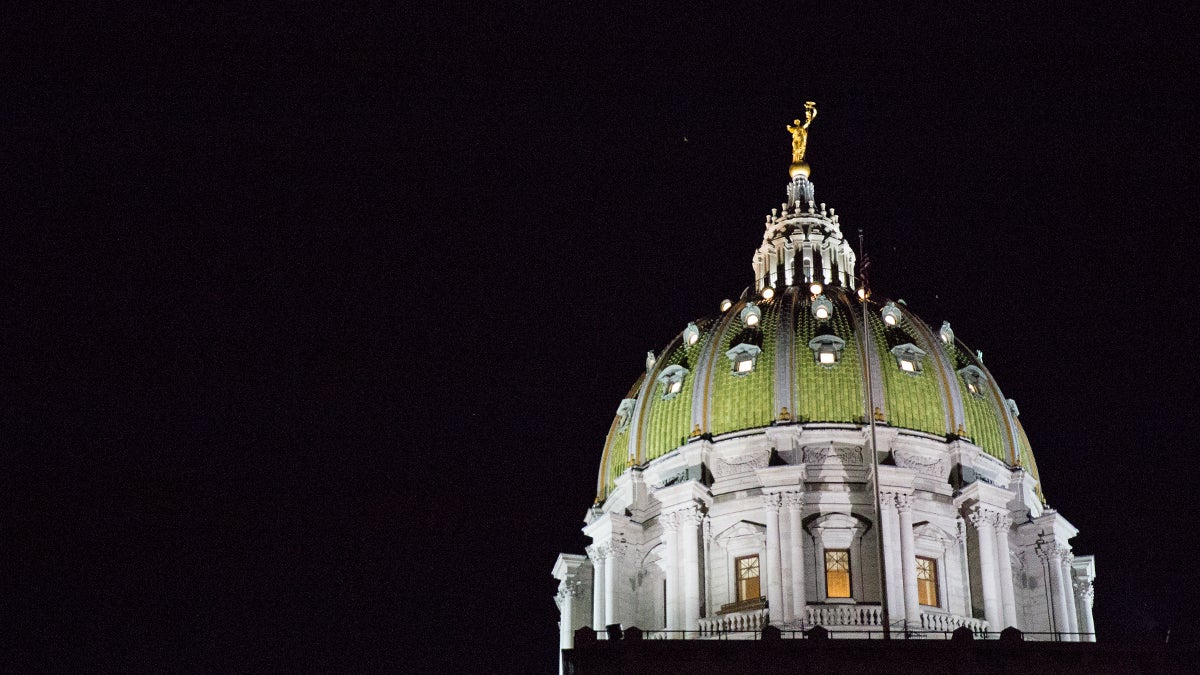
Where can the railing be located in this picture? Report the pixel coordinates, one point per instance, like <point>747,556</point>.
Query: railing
<point>948,622</point>
<point>752,620</point>
<point>873,633</point>
<point>844,615</point>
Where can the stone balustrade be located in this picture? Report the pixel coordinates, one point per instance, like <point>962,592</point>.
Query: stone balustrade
<point>844,615</point>
<point>949,622</point>
<point>753,620</point>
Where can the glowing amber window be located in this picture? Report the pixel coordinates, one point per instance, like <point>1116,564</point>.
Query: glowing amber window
<point>747,578</point>
<point>927,585</point>
<point>837,573</point>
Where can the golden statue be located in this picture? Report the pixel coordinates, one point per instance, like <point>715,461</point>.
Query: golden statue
<point>800,140</point>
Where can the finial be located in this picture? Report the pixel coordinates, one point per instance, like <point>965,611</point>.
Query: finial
<point>800,141</point>
<point>879,415</point>
<point>784,415</point>
<point>696,432</point>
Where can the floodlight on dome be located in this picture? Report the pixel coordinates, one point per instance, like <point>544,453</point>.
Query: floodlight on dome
<point>862,294</point>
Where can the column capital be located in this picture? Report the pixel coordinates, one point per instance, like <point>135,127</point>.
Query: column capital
<point>772,501</point>
<point>904,502</point>
<point>597,552</point>
<point>669,521</point>
<point>1052,550</point>
<point>793,500</point>
<point>982,516</point>
<point>1004,521</point>
<point>570,588</point>
<point>1084,589</point>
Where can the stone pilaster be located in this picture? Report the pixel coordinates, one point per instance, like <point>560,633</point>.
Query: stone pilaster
<point>599,555</point>
<point>984,520</point>
<point>771,502</point>
<point>794,502</point>
<point>1004,570</point>
<point>908,560</point>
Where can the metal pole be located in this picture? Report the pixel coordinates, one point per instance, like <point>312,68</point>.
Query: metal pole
<point>883,595</point>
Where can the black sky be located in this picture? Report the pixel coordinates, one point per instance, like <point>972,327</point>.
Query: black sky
<point>330,312</point>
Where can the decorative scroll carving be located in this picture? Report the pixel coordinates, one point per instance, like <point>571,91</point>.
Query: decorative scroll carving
<point>729,466</point>
<point>903,502</point>
<point>677,477</point>
<point>597,552</point>
<point>793,500</point>
<point>982,516</point>
<point>822,454</point>
<point>922,464</point>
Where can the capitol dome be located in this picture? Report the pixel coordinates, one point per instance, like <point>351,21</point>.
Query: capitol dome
<point>814,454</point>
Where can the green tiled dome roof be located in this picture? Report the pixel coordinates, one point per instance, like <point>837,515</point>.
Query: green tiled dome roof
<point>787,385</point>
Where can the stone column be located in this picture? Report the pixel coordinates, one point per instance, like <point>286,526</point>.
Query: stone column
<point>706,530</point>
<point>891,556</point>
<point>1050,553</point>
<point>615,552</point>
<point>1069,591</point>
<point>908,560</point>
<point>795,507</point>
<point>785,559</point>
<point>1004,569</point>
<point>670,528</point>
<point>568,590</point>
<point>689,535</point>
<point>1084,594</point>
<point>771,502</point>
<point>599,615</point>
<point>985,521</point>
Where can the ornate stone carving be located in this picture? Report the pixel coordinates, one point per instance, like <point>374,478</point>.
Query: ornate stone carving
<point>689,515</point>
<point>569,588</point>
<point>1004,521</point>
<point>822,454</point>
<point>669,521</point>
<point>904,502</point>
<point>982,516</point>
<point>597,552</point>
<point>772,501</point>
<point>728,466</point>
<point>1084,589</point>
<point>793,500</point>
<point>922,464</point>
<point>677,477</point>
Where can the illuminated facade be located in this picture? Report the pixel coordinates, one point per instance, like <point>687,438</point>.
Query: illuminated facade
<point>737,484</point>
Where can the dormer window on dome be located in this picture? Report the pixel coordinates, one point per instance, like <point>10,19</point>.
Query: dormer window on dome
<point>650,361</point>
<point>822,308</point>
<point>743,358</point>
<point>751,315</point>
<point>946,333</point>
<point>691,334</point>
<point>1012,407</point>
<point>890,314</point>
<point>827,349</point>
<point>625,413</point>
<point>909,357</point>
<point>671,380</point>
<point>726,304</point>
<point>974,379</point>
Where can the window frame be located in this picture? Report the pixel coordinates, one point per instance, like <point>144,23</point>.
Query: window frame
<point>848,572</point>
<point>932,584</point>
<point>737,572</point>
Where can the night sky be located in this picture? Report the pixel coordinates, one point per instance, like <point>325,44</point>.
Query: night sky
<point>332,312</point>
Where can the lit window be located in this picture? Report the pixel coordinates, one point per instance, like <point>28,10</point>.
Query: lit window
<point>927,581</point>
<point>837,573</point>
<point>747,578</point>
<point>908,357</point>
<point>752,320</point>
<point>671,379</point>
<point>691,334</point>
<point>768,293</point>
<point>742,358</point>
<point>815,288</point>
<point>625,412</point>
<point>827,349</point>
<point>974,379</point>
<point>726,304</point>
<point>822,313</point>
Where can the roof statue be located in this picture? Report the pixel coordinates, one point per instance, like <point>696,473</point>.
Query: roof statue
<point>800,139</point>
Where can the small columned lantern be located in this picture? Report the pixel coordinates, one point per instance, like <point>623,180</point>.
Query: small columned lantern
<point>946,333</point>
<point>691,334</point>
<point>822,308</point>
<point>827,349</point>
<point>751,315</point>
<point>891,314</point>
<point>742,358</point>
